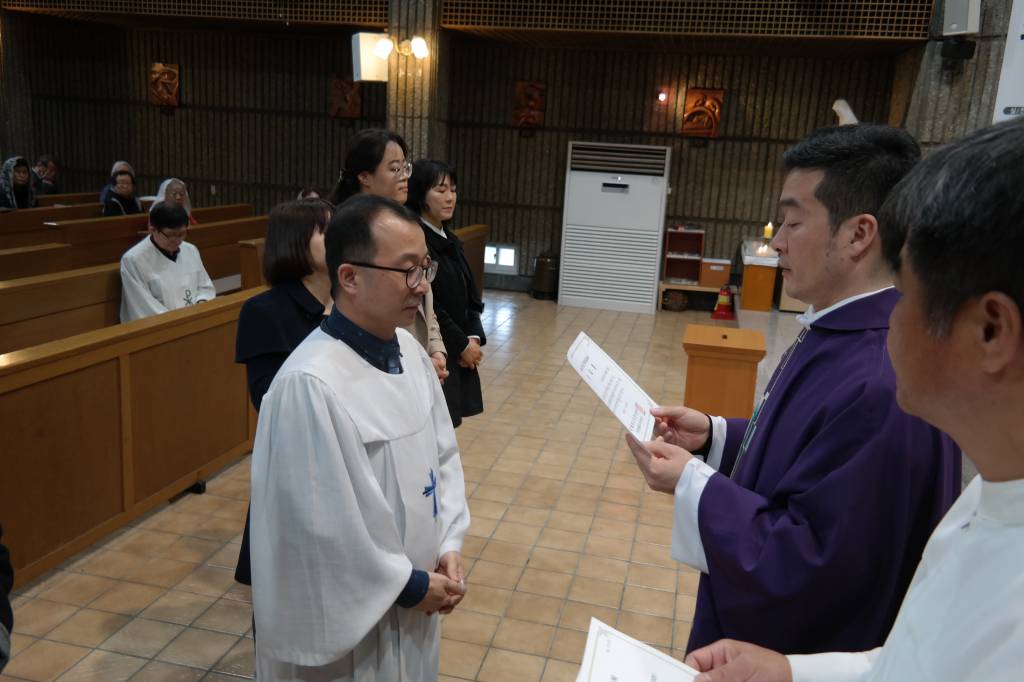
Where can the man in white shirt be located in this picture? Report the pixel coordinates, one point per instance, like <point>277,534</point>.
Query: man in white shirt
<point>954,232</point>
<point>358,498</point>
<point>163,272</point>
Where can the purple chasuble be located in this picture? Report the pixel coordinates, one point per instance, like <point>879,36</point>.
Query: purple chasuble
<point>813,541</point>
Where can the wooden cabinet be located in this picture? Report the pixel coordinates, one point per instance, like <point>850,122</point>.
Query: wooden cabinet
<point>681,263</point>
<point>721,369</point>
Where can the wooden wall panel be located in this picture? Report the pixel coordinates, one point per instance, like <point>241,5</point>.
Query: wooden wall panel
<point>59,483</point>
<point>515,183</point>
<point>253,119</point>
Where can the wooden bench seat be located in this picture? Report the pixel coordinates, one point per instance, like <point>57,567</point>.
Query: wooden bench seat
<point>67,198</point>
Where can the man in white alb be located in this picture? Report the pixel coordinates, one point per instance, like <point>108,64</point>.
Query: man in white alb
<point>163,272</point>
<point>954,230</point>
<point>358,497</point>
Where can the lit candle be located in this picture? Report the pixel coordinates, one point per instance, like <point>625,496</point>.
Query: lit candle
<point>768,230</point>
<point>764,250</point>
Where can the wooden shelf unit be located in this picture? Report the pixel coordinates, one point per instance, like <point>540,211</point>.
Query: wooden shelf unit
<point>681,261</point>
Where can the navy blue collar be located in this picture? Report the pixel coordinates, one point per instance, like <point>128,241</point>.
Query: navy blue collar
<point>384,355</point>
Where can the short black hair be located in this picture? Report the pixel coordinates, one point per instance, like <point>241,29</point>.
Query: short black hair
<point>290,226</point>
<point>165,216</point>
<point>115,176</point>
<point>862,163</point>
<point>427,174</point>
<point>350,235</point>
<point>960,217</point>
<point>365,152</point>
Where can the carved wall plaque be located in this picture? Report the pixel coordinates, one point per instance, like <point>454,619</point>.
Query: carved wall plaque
<point>702,113</point>
<point>164,84</point>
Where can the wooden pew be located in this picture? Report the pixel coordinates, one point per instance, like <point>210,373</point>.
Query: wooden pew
<point>103,240</point>
<point>34,260</point>
<point>67,199</point>
<point>44,308</point>
<point>101,427</point>
<point>27,227</point>
<point>474,238</point>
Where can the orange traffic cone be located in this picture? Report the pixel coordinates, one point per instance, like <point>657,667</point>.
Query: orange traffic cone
<point>724,309</point>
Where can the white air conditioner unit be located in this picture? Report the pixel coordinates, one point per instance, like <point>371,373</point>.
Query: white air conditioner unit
<point>613,226</point>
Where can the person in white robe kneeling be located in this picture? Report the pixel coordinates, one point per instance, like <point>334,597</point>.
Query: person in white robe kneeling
<point>163,272</point>
<point>358,498</point>
<point>953,231</point>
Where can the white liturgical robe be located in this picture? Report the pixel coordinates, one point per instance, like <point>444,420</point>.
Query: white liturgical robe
<point>963,616</point>
<point>152,283</point>
<point>356,480</point>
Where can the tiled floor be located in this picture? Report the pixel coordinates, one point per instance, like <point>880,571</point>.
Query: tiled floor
<point>563,529</point>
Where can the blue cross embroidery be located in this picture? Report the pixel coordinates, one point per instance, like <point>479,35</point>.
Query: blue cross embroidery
<point>431,490</point>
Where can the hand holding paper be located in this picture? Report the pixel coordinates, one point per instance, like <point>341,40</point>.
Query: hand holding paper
<point>661,463</point>
<point>613,386</point>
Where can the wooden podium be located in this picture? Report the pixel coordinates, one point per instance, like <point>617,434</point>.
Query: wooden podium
<point>721,373</point>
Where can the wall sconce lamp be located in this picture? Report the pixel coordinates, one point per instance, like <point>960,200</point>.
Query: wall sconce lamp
<point>662,96</point>
<point>370,52</point>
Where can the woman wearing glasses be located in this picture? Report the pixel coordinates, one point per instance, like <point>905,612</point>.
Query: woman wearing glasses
<point>432,195</point>
<point>377,163</point>
<point>272,324</point>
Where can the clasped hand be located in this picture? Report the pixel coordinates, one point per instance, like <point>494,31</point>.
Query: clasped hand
<point>447,586</point>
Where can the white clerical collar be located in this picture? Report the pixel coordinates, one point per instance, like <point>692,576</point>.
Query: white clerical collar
<point>811,315</point>
<point>433,227</point>
<point>1002,502</point>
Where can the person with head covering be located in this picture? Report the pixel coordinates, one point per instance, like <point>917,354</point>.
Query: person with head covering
<point>16,185</point>
<point>309,192</point>
<point>377,163</point>
<point>163,272</point>
<point>108,189</point>
<point>457,303</point>
<point>358,495</point>
<point>953,232</point>
<point>122,200</point>
<point>6,613</point>
<point>175,191</point>
<point>806,521</point>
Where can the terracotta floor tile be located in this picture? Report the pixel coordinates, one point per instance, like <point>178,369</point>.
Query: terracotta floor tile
<point>79,589</point>
<point>469,626</point>
<point>44,661</point>
<point>225,557</point>
<point>523,636</point>
<point>613,529</point>
<point>197,648</point>
<point>652,576</point>
<point>461,659</point>
<point>494,575</point>
<point>40,616</point>
<point>111,563</point>
<point>546,583</point>
<point>612,548</point>
<point>576,505</point>
<point>486,600</point>
<point>240,660</point>
<point>128,599</point>
<point>506,553</point>
<point>650,629</point>
<point>655,555</point>
<point>568,645</point>
<point>688,582</point>
<point>473,546</point>
<point>593,591</point>
<point>157,671</point>
<point>486,509</point>
<point>21,642</point>
<point>602,568</point>
<point>104,666</point>
<point>562,539</point>
<point>510,666</point>
<point>141,637</point>
<point>534,608</point>
<point>161,572</point>
<point>232,617</point>
<point>528,515</point>
<point>560,671</point>
<point>681,634</point>
<point>617,512</point>
<point>579,523</point>
<point>576,615</point>
<point>494,493</point>
<point>557,560</point>
<point>178,607</point>
<point>191,549</point>
<point>211,581</point>
<point>144,542</point>
<point>685,606</point>
<point>88,628</point>
<point>650,602</point>
<point>521,533</point>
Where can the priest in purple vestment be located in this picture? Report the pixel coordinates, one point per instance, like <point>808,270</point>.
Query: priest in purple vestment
<point>808,520</point>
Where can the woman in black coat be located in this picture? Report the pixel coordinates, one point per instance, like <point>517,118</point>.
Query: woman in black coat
<point>272,324</point>
<point>457,303</point>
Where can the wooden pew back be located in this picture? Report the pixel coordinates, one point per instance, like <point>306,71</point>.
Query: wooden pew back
<point>99,428</point>
<point>43,308</point>
<point>67,199</point>
<point>27,261</point>
<point>27,227</point>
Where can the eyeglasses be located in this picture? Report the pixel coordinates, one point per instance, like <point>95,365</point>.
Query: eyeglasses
<point>413,275</point>
<point>402,172</point>
<point>176,235</point>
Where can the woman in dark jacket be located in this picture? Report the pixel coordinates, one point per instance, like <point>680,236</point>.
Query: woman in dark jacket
<point>15,186</point>
<point>457,304</point>
<point>272,324</point>
<point>122,200</point>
